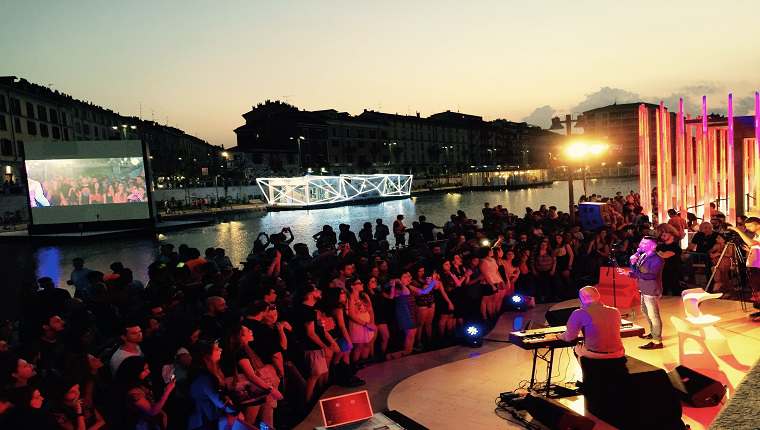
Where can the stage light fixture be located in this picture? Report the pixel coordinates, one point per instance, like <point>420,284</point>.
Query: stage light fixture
<point>485,242</point>
<point>473,335</point>
<point>518,302</point>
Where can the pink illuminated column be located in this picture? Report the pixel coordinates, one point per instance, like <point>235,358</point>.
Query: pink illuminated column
<point>730,177</point>
<point>645,170</point>
<point>689,149</point>
<point>660,147</point>
<point>756,185</point>
<point>705,177</point>
<point>681,183</point>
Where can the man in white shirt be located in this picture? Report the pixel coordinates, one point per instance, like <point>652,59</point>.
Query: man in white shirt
<point>752,225</point>
<point>131,337</point>
<point>600,325</point>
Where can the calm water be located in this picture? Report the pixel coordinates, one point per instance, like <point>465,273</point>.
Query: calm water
<point>236,235</point>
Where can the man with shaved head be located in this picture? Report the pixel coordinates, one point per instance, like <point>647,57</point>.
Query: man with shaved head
<point>600,325</point>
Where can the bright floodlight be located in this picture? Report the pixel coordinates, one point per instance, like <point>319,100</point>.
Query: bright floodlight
<point>517,299</point>
<point>472,331</point>
<point>578,150</point>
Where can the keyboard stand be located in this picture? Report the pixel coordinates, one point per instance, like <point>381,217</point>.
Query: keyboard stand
<point>549,391</point>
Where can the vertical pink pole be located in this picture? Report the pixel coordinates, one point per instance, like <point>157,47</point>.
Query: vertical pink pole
<point>705,177</point>
<point>668,164</point>
<point>645,170</point>
<point>689,149</point>
<point>755,189</point>
<point>730,177</point>
<point>680,161</point>
<point>660,175</point>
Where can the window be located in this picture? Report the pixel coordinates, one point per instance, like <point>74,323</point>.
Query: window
<point>78,127</point>
<point>65,134</point>
<point>3,125</point>
<point>20,146</point>
<point>29,110</point>
<point>44,130</point>
<point>54,116</point>
<point>56,132</point>
<point>17,125</point>
<point>96,132</point>
<point>31,127</point>
<point>15,106</point>
<point>63,118</point>
<point>42,113</point>
<point>6,147</point>
<point>86,129</point>
<point>3,106</point>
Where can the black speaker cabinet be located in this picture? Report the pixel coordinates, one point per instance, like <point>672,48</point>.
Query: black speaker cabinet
<point>558,316</point>
<point>695,388</point>
<point>591,215</point>
<point>554,415</point>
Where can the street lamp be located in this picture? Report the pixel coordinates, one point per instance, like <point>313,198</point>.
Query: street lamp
<point>447,147</point>
<point>390,146</point>
<point>581,150</point>
<point>123,128</point>
<point>299,139</point>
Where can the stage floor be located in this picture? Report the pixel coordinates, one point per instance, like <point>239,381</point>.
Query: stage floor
<point>462,393</point>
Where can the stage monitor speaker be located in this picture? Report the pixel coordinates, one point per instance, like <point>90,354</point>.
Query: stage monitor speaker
<point>591,215</point>
<point>695,388</point>
<point>558,316</point>
<point>630,394</point>
<point>555,416</point>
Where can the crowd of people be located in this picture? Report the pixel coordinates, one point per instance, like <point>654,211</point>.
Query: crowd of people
<point>205,344</point>
<point>88,190</point>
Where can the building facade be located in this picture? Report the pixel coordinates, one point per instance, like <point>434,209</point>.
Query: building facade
<point>618,125</point>
<point>278,138</point>
<point>32,113</point>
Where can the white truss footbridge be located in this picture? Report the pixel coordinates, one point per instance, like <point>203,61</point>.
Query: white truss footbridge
<point>305,191</point>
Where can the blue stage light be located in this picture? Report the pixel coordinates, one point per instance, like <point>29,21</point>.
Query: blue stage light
<point>472,331</point>
<point>517,299</point>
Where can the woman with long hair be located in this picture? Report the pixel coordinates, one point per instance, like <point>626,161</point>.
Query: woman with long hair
<point>361,321</point>
<point>511,267</point>
<point>492,283</point>
<point>382,307</point>
<point>563,253</point>
<point>213,408</point>
<point>425,305</point>
<point>142,411</point>
<point>69,410</point>
<point>447,298</point>
<point>333,307</point>
<point>403,293</point>
<point>544,269</point>
<point>243,369</point>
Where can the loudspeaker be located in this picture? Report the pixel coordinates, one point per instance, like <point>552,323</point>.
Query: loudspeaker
<point>695,388</point>
<point>555,416</point>
<point>630,394</point>
<point>557,316</point>
<point>591,215</point>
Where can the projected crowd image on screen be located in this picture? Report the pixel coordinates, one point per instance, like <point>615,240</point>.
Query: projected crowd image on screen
<point>86,181</point>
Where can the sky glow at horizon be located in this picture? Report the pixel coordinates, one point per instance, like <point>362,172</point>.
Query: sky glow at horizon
<point>200,65</point>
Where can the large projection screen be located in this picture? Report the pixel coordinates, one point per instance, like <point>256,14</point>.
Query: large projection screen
<point>86,182</point>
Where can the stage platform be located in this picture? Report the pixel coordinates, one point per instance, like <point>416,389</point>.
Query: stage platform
<point>159,227</point>
<point>456,387</point>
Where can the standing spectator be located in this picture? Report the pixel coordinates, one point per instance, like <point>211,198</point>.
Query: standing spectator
<point>79,279</point>
<point>381,230</point>
<point>310,334</point>
<point>563,253</point>
<point>361,324</point>
<point>131,337</point>
<point>669,250</point>
<point>544,269</point>
<point>382,307</point>
<point>211,408</point>
<point>141,411</point>
<point>399,230</point>
<point>678,223</point>
<point>213,321</point>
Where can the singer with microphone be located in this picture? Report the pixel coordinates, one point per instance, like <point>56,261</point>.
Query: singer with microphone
<point>646,268</point>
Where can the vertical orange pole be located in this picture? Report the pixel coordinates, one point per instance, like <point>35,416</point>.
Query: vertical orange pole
<point>689,150</point>
<point>645,170</point>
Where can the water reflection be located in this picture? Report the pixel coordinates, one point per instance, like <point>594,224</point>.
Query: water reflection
<point>237,233</point>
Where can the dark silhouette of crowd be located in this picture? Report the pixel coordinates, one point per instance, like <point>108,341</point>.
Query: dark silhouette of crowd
<point>204,343</point>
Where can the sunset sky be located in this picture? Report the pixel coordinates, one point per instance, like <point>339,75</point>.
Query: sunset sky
<point>202,64</point>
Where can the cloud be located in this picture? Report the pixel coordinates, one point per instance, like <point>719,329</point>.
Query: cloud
<point>541,116</point>
<point>603,97</point>
<point>744,106</point>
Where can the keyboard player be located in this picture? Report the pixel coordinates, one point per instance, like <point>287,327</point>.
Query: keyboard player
<point>600,325</point>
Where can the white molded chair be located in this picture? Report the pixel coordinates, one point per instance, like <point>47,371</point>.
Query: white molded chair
<point>692,298</point>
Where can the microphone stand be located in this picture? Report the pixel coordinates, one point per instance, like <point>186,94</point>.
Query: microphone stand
<point>613,264</point>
